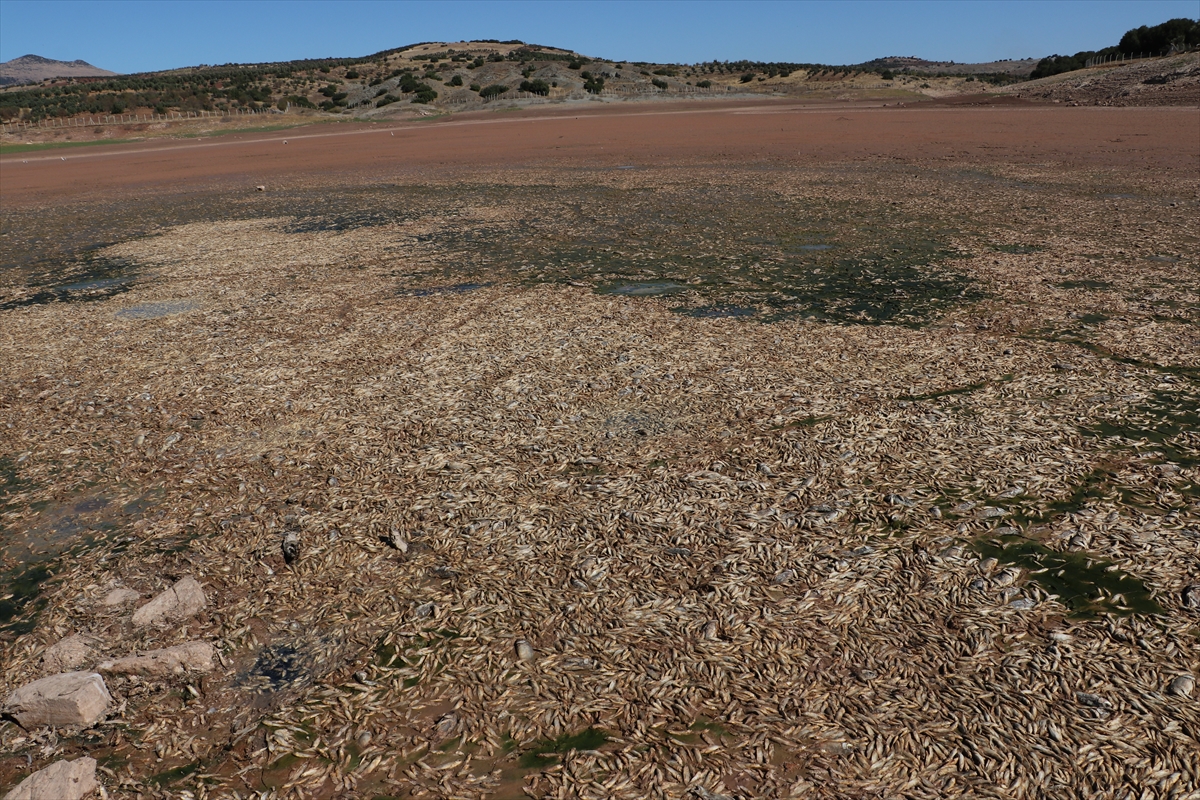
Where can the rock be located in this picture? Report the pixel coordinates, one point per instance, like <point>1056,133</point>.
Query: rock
<point>187,657</point>
<point>119,597</point>
<point>69,700</point>
<point>181,601</point>
<point>66,655</point>
<point>1183,686</point>
<point>62,780</point>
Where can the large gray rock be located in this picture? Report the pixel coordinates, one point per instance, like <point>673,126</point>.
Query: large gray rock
<point>66,655</point>
<point>69,700</point>
<point>179,602</point>
<point>62,780</point>
<point>188,657</point>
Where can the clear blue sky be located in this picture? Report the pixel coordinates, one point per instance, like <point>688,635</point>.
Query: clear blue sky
<point>142,36</point>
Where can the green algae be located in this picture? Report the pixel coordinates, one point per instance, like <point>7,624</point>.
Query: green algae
<point>544,753</point>
<point>1086,584</point>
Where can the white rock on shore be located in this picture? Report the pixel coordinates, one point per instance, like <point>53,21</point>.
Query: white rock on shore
<point>62,780</point>
<point>66,655</point>
<point>179,602</point>
<point>187,657</point>
<point>69,700</point>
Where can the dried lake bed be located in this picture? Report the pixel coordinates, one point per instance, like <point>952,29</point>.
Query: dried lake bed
<point>707,478</point>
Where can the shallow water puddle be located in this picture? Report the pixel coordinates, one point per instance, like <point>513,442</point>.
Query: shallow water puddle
<point>1088,585</point>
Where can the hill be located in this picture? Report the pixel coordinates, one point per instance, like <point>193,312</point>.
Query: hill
<point>1172,80</point>
<point>32,69</point>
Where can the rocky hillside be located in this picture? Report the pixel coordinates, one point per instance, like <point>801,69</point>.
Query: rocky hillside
<point>32,69</point>
<point>1172,80</point>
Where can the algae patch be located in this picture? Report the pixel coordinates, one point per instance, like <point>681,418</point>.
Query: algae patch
<point>544,753</point>
<point>1089,586</point>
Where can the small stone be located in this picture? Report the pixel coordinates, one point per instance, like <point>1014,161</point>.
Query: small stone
<point>62,780</point>
<point>711,630</point>
<point>188,657</point>
<point>119,597</point>
<point>360,676</point>
<point>260,188</point>
<point>935,512</point>
<point>179,602</point>
<point>1183,686</point>
<point>66,655</point>
<point>524,650</point>
<point>69,700</point>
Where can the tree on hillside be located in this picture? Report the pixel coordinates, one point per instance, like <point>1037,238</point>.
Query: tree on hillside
<point>1158,39</point>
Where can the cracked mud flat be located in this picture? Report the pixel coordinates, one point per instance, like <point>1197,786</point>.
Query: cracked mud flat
<point>858,478</point>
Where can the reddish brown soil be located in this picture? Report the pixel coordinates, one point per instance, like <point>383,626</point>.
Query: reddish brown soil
<point>692,134</point>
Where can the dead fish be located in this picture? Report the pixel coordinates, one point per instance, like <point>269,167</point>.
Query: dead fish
<point>1092,700</point>
<point>291,547</point>
<point>395,540</point>
<point>765,469</point>
<point>711,629</point>
<point>524,650</point>
<point>446,725</point>
<point>1182,686</point>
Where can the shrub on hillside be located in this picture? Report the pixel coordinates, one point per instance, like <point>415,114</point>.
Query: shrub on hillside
<point>704,84</point>
<point>493,90</point>
<point>887,75</point>
<point>388,99</point>
<point>536,86</point>
<point>351,74</point>
<point>594,85</point>
<point>475,87</point>
<point>659,83</point>
<point>456,80</point>
<point>746,78</point>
